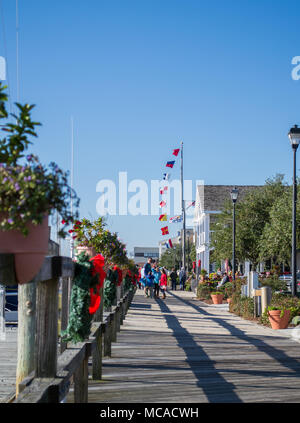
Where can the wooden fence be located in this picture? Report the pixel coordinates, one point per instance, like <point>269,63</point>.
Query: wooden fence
<point>46,367</point>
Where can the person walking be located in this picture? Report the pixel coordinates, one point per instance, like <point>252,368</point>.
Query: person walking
<point>182,278</point>
<point>146,270</point>
<point>157,275</point>
<point>173,277</point>
<point>163,283</point>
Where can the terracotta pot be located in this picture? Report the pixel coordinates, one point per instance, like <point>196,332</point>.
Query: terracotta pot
<point>29,251</point>
<point>278,322</point>
<point>217,299</point>
<point>90,251</point>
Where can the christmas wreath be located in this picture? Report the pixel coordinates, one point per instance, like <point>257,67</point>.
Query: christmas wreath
<point>110,288</point>
<point>85,282</point>
<point>128,282</point>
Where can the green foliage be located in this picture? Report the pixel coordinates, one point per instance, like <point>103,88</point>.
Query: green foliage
<point>187,286</point>
<point>94,234</point>
<point>253,213</point>
<point>29,190</point>
<point>282,302</point>
<point>79,324</point>
<point>242,306</point>
<point>128,286</point>
<point>296,320</point>
<point>273,282</point>
<point>205,289</point>
<point>110,288</point>
<point>172,257</point>
<point>276,239</point>
<point>203,272</point>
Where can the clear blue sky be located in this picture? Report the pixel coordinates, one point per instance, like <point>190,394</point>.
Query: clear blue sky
<point>139,76</point>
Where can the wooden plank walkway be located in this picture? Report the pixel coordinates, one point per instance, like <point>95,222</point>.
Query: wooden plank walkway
<point>8,364</point>
<point>182,350</point>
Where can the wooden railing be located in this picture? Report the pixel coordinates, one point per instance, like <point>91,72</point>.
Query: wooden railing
<point>45,368</point>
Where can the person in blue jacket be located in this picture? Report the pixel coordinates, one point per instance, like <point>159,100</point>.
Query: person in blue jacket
<point>157,274</point>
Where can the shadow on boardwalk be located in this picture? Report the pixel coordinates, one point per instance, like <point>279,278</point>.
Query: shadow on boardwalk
<point>276,354</point>
<point>186,341</point>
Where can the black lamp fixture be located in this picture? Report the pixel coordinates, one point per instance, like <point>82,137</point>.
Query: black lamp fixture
<point>294,136</point>
<point>234,196</point>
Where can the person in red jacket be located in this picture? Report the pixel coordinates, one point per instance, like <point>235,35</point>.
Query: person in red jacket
<point>163,283</point>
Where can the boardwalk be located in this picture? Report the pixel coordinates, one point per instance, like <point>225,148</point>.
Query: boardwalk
<point>181,350</point>
<point>8,364</point>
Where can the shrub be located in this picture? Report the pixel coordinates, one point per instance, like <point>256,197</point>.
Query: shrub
<point>274,283</point>
<point>204,290</point>
<point>187,286</point>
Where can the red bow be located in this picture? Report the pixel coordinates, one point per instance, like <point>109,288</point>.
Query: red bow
<point>98,263</point>
<point>120,276</point>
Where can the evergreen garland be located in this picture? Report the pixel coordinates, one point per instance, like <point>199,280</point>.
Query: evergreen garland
<point>128,283</point>
<point>110,288</point>
<point>79,324</point>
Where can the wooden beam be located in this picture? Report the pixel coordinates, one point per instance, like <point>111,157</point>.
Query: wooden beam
<point>26,331</point>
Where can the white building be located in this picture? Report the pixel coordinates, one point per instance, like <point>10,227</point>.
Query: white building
<point>209,202</point>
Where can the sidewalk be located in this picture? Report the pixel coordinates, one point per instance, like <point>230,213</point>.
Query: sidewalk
<point>181,350</point>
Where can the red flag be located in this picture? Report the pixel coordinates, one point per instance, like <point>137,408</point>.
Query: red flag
<point>176,151</point>
<point>170,244</point>
<point>162,204</point>
<point>165,230</point>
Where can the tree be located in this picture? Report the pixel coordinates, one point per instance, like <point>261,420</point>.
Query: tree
<point>172,258</point>
<point>252,215</point>
<point>276,239</point>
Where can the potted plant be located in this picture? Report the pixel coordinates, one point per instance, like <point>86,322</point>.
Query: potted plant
<point>29,192</point>
<point>93,236</point>
<point>217,297</point>
<point>203,274</point>
<point>278,317</point>
<point>228,288</point>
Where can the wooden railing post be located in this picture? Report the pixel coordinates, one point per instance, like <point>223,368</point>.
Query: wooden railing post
<point>98,350</point>
<point>65,301</point>
<point>26,331</point>
<point>81,379</point>
<point>107,337</point>
<point>46,330</point>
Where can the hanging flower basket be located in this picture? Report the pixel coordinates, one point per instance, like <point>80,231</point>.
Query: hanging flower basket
<point>29,251</point>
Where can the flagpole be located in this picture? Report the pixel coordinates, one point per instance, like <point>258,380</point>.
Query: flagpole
<point>72,181</point>
<point>183,209</point>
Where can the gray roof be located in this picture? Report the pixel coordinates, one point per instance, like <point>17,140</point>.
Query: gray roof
<point>216,195</point>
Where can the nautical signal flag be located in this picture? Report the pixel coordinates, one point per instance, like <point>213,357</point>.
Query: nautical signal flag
<point>192,204</point>
<point>170,164</point>
<point>165,230</point>
<point>166,176</point>
<point>162,204</point>
<point>176,151</point>
<point>169,244</point>
<point>176,219</point>
<point>163,190</point>
<point>163,217</point>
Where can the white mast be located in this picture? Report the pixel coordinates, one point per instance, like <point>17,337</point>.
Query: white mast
<point>72,179</point>
<point>17,51</point>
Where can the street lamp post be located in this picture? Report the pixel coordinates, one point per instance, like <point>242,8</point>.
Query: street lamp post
<point>234,196</point>
<point>294,136</point>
